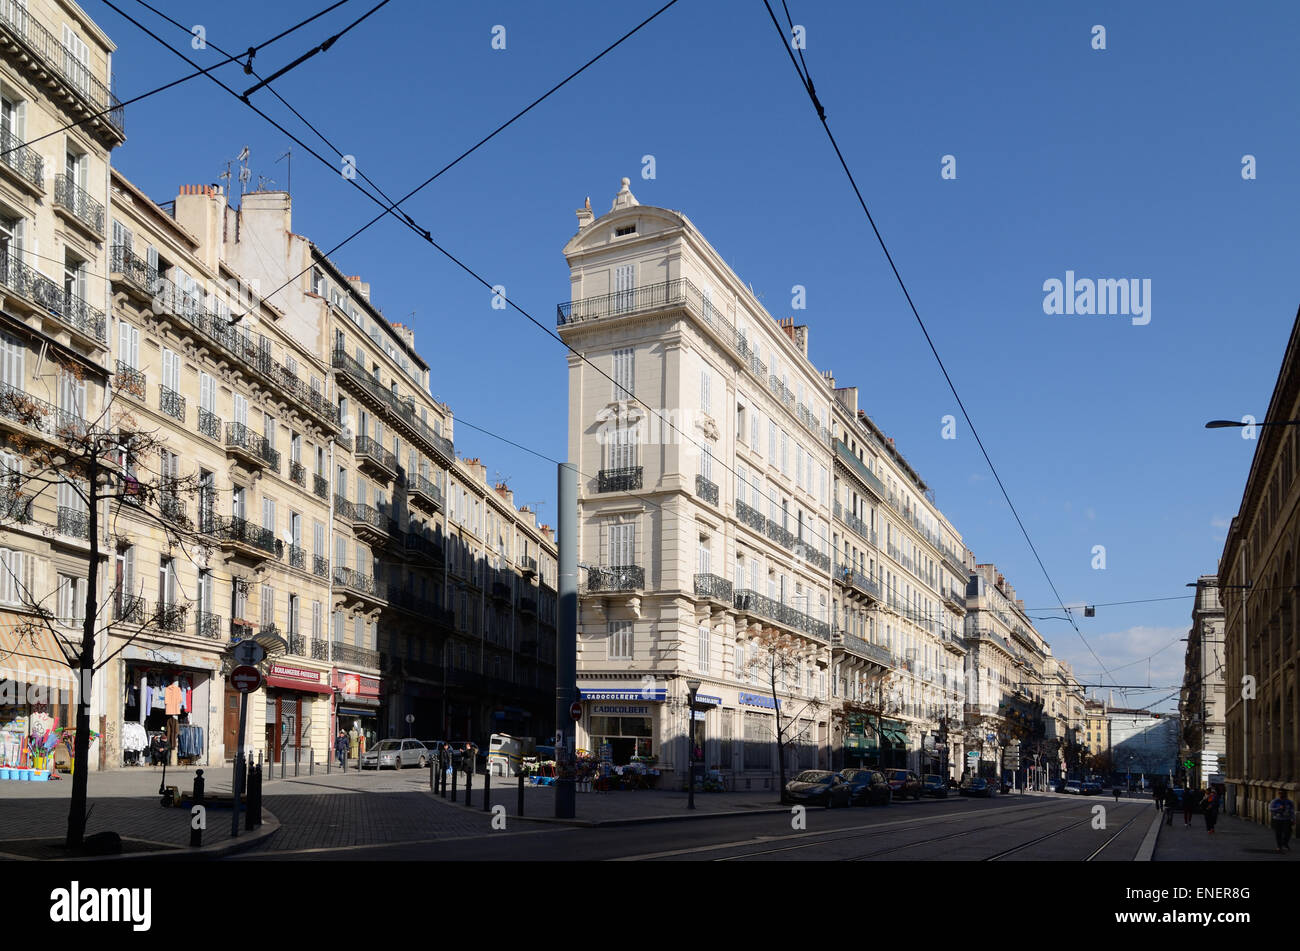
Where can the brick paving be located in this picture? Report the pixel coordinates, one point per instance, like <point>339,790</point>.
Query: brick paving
<point>1234,840</point>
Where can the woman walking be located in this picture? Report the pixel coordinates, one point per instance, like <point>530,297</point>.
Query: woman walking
<point>1211,811</point>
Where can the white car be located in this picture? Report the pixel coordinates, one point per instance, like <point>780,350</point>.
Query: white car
<point>397,754</point>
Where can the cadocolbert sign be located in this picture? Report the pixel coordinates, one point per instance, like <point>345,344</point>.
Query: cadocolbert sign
<point>356,686</point>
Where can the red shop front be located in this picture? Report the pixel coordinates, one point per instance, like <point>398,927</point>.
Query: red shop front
<point>297,712</point>
<point>356,704</point>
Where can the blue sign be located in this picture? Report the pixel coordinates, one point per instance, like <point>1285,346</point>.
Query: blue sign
<point>758,700</point>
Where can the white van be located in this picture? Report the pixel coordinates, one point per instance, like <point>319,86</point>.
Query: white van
<point>505,753</point>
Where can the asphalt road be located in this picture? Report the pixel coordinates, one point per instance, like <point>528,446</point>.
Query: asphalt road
<point>1006,828</point>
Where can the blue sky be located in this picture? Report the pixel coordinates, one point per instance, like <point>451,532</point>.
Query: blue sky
<point>1116,163</point>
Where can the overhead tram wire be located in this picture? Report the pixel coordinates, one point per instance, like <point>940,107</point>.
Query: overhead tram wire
<point>323,47</point>
<point>806,79</point>
<point>393,206</point>
<point>252,50</point>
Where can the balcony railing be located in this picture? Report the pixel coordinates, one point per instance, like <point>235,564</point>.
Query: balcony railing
<point>355,656</point>
<point>419,489</point>
<point>320,649</point>
<point>170,617</point>
<point>130,380</point>
<point>14,506</point>
<point>616,578</point>
<point>847,575</point>
<point>71,196</point>
<point>855,524</point>
<point>752,602</point>
<point>61,61</point>
<point>171,402</point>
<point>356,580</point>
<point>320,567</point>
<point>235,529</point>
<point>134,269</point>
<point>368,518</point>
<point>808,553</point>
<point>239,436</point>
<point>209,424</point>
<point>129,608</point>
<point>711,586</point>
<point>297,556</point>
<point>208,625</point>
<point>298,645</point>
<point>342,507</point>
<point>26,162</point>
<point>375,454</point>
<point>528,564</point>
<point>706,490</point>
<point>297,474</point>
<point>751,517</point>
<point>782,536</point>
<point>172,507</point>
<point>74,522</point>
<point>860,469</point>
<point>401,410</point>
<point>320,486</point>
<point>241,630</point>
<point>62,303</point>
<point>22,407</point>
<point>863,648</point>
<point>619,480</point>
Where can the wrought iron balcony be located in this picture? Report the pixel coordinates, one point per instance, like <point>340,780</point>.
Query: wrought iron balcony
<point>371,455</point>
<point>501,591</point>
<point>712,586</point>
<point>297,474</point>
<point>619,480</point>
<point>129,608</point>
<point>25,162</point>
<point>297,556</point>
<point>422,493</point>
<point>21,407</point>
<point>40,44</point>
<point>808,553</point>
<point>527,565</point>
<point>355,656</point>
<point>75,199</point>
<point>239,531</point>
<point>782,536</point>
<point>62,304</point>
<point>171,403</point>
<point>207,625</point>
<point>706,490</point>
<point>135,270</point>
<point>130,380</point>
<point>342,507</point>
<point>74,522</point>
<point>321,486</point>
<point>356,580</point>
<point>320,649</point>
<point>209,424</point>
<point>846,574</point>
<point>400,411</point>
<point>419,544</point>
<point>344,440</point>
<point>244,442</point>
<point>298,645</point>
<point>368,522</point>
<point>616,578</point>
<point>863,648</point>
<point>15,508</point>
<point>859,468</point>
<point>751,517</point>
<point>320,567</point>
<point>855,524</point>
<point>172,507</point>
<point>751,602</point>
<point>241,630</point>
<point>170,617</point>
<point>780,391</point>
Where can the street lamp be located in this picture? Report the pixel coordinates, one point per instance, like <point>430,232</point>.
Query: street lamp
<point>692,686</point>
<point>1229,423</point>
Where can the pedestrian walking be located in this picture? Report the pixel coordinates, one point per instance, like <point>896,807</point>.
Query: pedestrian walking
<point>1191,799</point>
<point>1211,811</point>
<point>1171,803</point>
<point>341,748</point>
<point>1158,794</point>
<point>1281,813</point>
<point>1115,790</point>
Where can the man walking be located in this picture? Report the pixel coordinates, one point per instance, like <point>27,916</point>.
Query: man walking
<point>341,749</point>
<point>1211,810</point>
<point>1191,799</point>
<point>1281,812</point>
<point>1171,803</point>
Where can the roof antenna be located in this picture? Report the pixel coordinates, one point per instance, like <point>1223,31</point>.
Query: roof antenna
<point>288,155</point>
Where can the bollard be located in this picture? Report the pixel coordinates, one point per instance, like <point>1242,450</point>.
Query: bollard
<point>442,777</point>
<point>281,751</point>
<point>239,782</point>
<point>487,790</point>
<point>259,795</point>
<point>520,809</point>
<point>252,795</point>
<point>433,771</point>
<point>311,761</point>
<point>453,784</point>
<point>469,783</point>
<point>196,834</point>
<point>297,761</point>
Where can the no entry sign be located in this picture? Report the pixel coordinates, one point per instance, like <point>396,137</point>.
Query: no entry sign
<point>245,679</point>
<point>575,710</point>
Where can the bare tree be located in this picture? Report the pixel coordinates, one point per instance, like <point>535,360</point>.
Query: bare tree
<point>104,467</point>
<point>778,656</point>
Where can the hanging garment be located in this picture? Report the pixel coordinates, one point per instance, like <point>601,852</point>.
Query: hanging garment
<point>134,738</point>
<point>172,701</point>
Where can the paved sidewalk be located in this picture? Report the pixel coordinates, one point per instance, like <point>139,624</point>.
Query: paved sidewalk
<point>1234,840</point>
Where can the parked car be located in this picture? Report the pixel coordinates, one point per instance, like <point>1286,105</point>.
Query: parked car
<point>1071,786</point>
<point>396,753</point>
<point>867,787</point>
<point>819,787</point>
<point>934,785</point>
<point>904,783</point>
<point>977,786</point>
<point>1091,788</point>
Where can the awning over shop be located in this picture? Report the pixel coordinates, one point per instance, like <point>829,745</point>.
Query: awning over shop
<point>30,655</point>
<point>895,737</point>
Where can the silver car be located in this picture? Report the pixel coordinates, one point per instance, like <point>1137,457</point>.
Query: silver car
<point>396,753</point>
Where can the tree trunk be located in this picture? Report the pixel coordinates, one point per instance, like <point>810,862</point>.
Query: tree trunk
<point>85,680</point>
<point>780,746</point>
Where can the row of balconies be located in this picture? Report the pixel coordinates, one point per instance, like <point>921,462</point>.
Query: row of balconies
<point>398,409</point>
<point>863,648</point>
<point>855,524</point>
<point>860,469</point>
<point>61,303</point>
<point>847,575</point>
<point>751,602</point>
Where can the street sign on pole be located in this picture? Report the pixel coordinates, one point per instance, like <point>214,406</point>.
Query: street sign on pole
<point>245,679</point>
<point>248,653</point>
<point>575,710</point>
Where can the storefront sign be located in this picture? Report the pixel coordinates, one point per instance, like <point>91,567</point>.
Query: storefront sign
<point>758,700</point>
<point>633,693</point>
<point>620,709</point>
<point>357,688</point>
<point>295,678</point>
<point>708,700</point>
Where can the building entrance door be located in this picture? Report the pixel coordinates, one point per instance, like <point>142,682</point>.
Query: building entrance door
<point>231,732</point>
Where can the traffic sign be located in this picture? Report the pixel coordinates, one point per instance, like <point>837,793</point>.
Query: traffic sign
<point>245,678</point>
<point>575,710</point>
<point>410,718</point>
<point>249,653</point>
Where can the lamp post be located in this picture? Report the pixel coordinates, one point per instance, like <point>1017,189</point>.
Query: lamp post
<point>692,686</point>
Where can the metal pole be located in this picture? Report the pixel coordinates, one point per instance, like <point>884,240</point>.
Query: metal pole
<point>520,810</point>
<point>239,764</point>
<point>566,653</point>
<point>196,831</point>
<point>487,789</point>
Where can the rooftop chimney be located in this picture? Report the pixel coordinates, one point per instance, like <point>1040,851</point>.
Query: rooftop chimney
<point>585,215</point>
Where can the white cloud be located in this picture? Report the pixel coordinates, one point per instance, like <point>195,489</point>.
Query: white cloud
<point>1125,654</point>
<point>1220,522</point>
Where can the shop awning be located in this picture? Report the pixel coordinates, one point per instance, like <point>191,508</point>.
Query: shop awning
<point>29,654</point>
<point>895,737</point>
